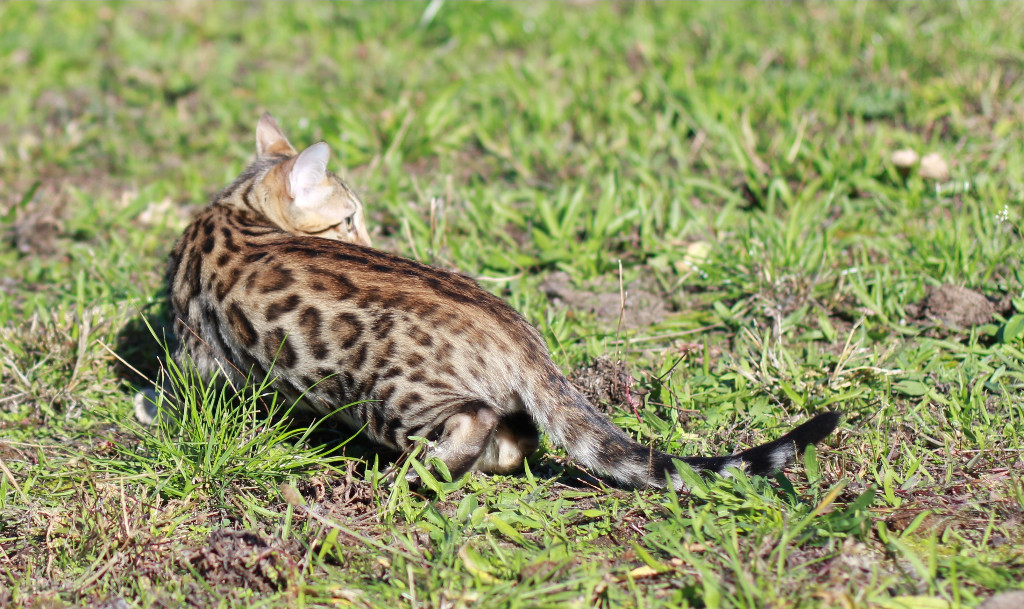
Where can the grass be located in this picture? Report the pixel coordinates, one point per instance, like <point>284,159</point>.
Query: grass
<point>730,162</point>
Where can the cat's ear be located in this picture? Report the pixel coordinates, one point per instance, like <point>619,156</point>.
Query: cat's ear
<point>270,139</point>
<point>308,170</point>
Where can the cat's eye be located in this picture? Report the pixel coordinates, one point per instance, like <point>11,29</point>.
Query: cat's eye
<point>348,222</point>
<point>324,230</point>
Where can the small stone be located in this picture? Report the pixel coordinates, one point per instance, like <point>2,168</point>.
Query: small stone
<point>934,167</point>
<point>904,160</point>
<point>1007,600</point>
<point>697,252</point>
<point>291,495</point>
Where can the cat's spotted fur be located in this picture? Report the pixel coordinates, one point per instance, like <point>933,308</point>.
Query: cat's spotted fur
<point>256,288</point>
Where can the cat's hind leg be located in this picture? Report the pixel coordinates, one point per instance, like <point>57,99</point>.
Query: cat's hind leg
<point>515,438</point>
<point>460,441</point>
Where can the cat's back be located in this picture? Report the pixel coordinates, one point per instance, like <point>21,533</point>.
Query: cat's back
<point>311,298</point>
<point>270,260</point>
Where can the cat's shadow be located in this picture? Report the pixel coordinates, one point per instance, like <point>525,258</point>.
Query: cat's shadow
<point>142,343</point>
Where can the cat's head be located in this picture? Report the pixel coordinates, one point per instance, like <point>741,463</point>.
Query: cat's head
<point>298,194</point>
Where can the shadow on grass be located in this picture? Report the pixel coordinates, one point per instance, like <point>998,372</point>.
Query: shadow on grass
<point>142,344</point>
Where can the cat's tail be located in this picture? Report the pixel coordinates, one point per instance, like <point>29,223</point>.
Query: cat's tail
<point>598,444</point>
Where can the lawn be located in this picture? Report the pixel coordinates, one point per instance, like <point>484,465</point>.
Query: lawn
<point>723,218</point>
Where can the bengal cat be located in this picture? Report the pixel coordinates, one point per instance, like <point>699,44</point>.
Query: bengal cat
<point>276,279</point>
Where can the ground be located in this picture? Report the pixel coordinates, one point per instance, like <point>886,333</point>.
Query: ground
<point>723,218</point>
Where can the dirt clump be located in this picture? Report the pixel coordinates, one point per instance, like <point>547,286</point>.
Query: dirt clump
<point>954,306</point>
<point>238,558</point>
<point>340,497</point>
<point>38,223</point>
<point>607,384</point>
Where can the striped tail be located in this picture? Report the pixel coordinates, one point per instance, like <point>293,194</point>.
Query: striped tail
<point>596,443</point>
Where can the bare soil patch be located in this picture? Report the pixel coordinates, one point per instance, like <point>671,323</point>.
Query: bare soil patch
<point>643,305</point>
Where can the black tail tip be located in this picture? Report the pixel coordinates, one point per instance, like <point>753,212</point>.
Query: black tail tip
<point>815,430</point>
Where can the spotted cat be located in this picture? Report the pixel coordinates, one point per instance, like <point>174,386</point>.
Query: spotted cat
<point>276,279</point>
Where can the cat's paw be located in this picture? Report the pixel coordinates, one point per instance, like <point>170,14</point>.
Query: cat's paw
<point>146,410</point>
<point>153,407</point>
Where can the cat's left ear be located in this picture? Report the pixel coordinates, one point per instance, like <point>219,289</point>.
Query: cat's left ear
<point>270,139</point>
<point>308,170</point>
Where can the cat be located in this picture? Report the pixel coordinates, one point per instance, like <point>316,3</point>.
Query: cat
<point>276,278</point>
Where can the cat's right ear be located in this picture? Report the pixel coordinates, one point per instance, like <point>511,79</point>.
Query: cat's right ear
<point>270,139</point>
<point>307,171</point>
